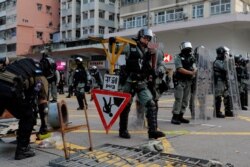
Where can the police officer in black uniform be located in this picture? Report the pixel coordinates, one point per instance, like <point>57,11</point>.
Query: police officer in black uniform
<point>79,82</point>
<point>139,70</point>
<point>221,85</point>
<point>242,76</point>
<point>18,92</point>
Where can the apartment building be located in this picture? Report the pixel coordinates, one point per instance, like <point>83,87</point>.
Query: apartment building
<point>83,18</point>
<point>80,19</point>
<point>25,23</point>
<point>211,23</point>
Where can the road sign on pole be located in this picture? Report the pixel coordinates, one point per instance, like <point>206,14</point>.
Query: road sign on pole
<point>109,105</point>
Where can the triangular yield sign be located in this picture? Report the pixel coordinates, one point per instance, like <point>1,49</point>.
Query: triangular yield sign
<point>109,105</point>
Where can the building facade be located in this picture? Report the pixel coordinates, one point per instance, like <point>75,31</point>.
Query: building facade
<point>83,18</point>
<point>211,23</point>
<point>24,24</point>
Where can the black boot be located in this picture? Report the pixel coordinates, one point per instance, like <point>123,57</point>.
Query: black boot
<point>156,134</point>
<point>183,120</point>
<point>243,100</point>
<point>217,107</point>
<point>43,113</point>
<point>123,131</point>
<point>124,134</point>
<point>228,106</point>
<point>153,133</point>
<point>176,119</point>
<point>220,115</point>
<point>24,152</point>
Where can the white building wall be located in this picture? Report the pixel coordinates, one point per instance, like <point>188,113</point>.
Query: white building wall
<point>237,41</point>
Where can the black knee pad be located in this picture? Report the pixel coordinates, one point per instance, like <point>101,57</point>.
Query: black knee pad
<point>150,103</point>
<point>151,107</point>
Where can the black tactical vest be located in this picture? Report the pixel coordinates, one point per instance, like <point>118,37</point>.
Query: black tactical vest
<point>133,62</point>
<point>187,63</point>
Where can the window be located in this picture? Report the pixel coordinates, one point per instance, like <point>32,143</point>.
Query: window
<point>48,9</point>
<point>112,2</point>
<point>51,36</point>
<point>198,10</point>
<point>84,15</point>
<point>2,20</point>
<point>11,19</point>
<point>112,16</point>
<point>130,2</point>
<point>220,6</point>
<point>78,19</point>
<point>101,29</point>
<point>69,34</point>
<point>92,14</point>
<point>101,14</point>
<point>3,48</point>
<point>85,1</point>
<point>63,20</point>
<point>39,34</point>
<point>9,33</point>
<point>63,35</point>
<point>69,5</point>
<point>174,15</point>
<point>91,30</point>
<point>64,5</point>
<point>111,29</point>
<point>11,47</point>
<point>160,17</point>
<point>138,21</point>
<point>78,33</point>
<point>84,31</point>
<point>69,19</point>
<point>2,34</point>
<point>2,6</point>
<point>10,4</point>
<point>39,6</point>
<point>103,1</point>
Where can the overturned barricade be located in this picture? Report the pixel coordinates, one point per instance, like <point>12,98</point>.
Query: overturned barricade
<point>116,155</point>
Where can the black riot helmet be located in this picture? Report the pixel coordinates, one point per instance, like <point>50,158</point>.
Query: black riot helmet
<point>78,61</point>
<point>145,32</point>
<point>222,52</point>
<point>237,58</point>
<point>244,61</point>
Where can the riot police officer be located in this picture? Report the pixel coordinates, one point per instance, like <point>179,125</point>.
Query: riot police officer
<point>183,77</point>
<point>21,83</point>
<point>97,80</point>
<point>80,80</point>
<point>221,86</point>
<point>51,73</point>
<point>139,71</point>
<point>242,76</point>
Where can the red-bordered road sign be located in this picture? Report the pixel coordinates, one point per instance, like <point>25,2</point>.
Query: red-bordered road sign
<point>109,105</point>
<point>167,57</point>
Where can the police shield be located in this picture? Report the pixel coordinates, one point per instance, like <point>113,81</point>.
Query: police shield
<point>201,94</point>
<point>233,85</point>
